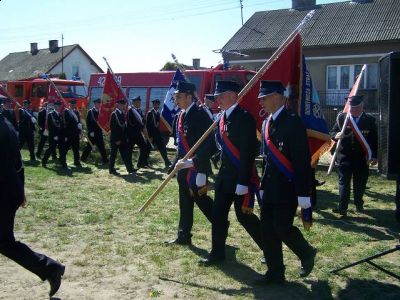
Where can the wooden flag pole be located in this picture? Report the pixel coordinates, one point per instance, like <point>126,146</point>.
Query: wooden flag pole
<point>247,87</point>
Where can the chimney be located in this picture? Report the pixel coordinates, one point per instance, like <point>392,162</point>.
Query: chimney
<point>303,4</point>
<point>196,63</point>
<point>53,46</point>
<point>34,49</point>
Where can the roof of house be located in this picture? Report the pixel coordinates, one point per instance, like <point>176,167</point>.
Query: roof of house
<point>333,24</point>
<point>21,65</point>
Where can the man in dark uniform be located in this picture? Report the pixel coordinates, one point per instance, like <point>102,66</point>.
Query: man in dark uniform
<point>118,138</point>
<point>12,196</point>
<point>152,125</point>
<point>43,132</point>
<point>232,184</point>
<point>55,125</point>
<point>134,131</point>
<point>286,183</point>
<point>27,128</point>
<point>73,130</point>
<point>351,157</point>
<point>95,133</point>
<point>8,113</point>
<point>192,122</point>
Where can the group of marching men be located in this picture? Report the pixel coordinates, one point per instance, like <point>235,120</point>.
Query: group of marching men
<point>285,184</point>
<point>62,128</point>
<point>287,179</point>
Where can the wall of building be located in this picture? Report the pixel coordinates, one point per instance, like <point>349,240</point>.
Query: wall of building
<point>76,60</point>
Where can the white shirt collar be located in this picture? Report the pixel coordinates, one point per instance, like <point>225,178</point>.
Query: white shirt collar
<point>230,110</point>
<point>276,114</point>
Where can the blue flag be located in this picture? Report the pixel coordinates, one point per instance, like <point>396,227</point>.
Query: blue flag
<point>170,109</point>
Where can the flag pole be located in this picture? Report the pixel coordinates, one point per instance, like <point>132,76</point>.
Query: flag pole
<point>346,120</point>
<point>247,87</point>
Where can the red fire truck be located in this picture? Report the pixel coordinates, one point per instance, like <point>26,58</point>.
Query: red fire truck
<point>37,89</point>
<point>152,85</point>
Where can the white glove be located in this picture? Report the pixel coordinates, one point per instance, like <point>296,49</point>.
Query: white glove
<point>91,134</point>
<point>55,138</point>
<point>65,139</point>
<point>241,190</point>
<point>304,202</point>
<point>33,120</point>
<point>45,132</point>
<point>79,126</point>
<point>261,193</point>
<point>184,164</point>
<point>201,179</point>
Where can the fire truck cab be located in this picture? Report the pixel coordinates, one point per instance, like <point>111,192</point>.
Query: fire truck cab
<point>37,89</point>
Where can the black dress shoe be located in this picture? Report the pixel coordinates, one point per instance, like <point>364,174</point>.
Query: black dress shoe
<point>55,280</point>
<point>179,241</point>
<point>114,172</point>
<point>359,208</point>
<point>211,261</point>
<point>342,212</point>
<point>269,278</point>
<point>308,264</point>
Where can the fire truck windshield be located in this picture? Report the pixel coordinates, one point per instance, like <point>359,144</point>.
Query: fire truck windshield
<point>72,91</point>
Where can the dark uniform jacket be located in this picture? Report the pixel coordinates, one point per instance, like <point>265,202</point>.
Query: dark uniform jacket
<point>91,122</point>
<point>289,135</point>
<point>71,119</point>
<point>42,119</point>
<point>195,123</point>
<point>134,126</point>
<point>25,121</point>
<point>241,129</point>
<point>350,151</point>
<point>117,126</point>
<point>152,123</point>
<point>11,168</point>
<point>55,125</point>
<point>10,116</point>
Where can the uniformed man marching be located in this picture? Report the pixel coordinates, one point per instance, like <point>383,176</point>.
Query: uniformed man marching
<point>286,183</point>
<point>95,134</point>
<point>55,126</point>
<point>73,130</point>
<point>134,131</point>
<point>192,122</point>
<point>152,125</point>
<point>118,138</point>
<point>27,129</point>
<point>236,133</point>
<point>43,132</point>
<point>354,157</point>
<point>12,196</point>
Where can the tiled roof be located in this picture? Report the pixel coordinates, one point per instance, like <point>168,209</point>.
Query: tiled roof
<point>333,24</point>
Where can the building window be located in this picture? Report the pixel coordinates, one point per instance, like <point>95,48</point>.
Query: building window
<point>342,77</point>
<point>75,71</point>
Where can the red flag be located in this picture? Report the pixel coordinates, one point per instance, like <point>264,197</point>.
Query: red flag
<point>290,68</point>
<point>111,94</point>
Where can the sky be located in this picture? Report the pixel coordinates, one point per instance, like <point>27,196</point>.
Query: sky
<point>133,35</point>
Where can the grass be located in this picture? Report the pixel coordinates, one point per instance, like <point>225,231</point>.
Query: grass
<point>87,219</point>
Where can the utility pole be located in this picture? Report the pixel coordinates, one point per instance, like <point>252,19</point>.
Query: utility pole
<point>241,9</point>
<point>62,53</point>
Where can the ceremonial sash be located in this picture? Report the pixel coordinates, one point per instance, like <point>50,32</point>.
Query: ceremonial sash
<point>234,155</point>
<point>283,164</point>
<point>183,149</point>
<point>358,134</point>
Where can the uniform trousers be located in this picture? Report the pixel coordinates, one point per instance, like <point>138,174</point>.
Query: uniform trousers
<point>360,175</point>
<point>222,203</point>
<point>277,227</point>
<point>98,141</point>
<point>27,137</point>
<point>122,148</point>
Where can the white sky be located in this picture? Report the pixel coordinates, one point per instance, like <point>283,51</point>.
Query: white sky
<point>133,35</point>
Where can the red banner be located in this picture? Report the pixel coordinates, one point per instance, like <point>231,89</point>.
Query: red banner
<point>111,94</point>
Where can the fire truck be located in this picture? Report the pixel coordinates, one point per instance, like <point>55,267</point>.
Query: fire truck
<point>152,85</point>
<point>36,90</point>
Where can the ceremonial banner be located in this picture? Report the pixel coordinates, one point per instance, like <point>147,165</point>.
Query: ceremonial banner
<point>169,109</point>
<point>111,94</point>
<point>290,68</point>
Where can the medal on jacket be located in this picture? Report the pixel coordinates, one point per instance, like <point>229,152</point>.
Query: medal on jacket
<point>226,127</point>
<point>280,144</point>
<point>185,130</point>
